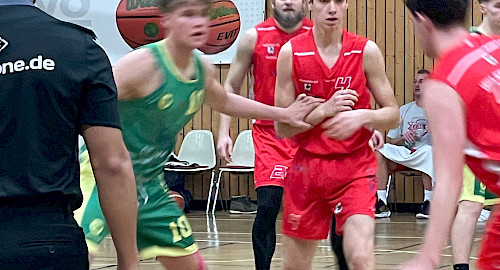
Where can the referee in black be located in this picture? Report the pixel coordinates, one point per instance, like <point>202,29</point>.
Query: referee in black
<point>56,83</point>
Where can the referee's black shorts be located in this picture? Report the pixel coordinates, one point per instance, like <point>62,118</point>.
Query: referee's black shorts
<point>41,237</point>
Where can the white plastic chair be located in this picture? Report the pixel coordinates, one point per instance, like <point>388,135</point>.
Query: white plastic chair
<point>243,160</point>
<point>197,147</point>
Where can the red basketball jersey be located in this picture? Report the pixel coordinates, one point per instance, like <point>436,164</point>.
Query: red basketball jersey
<point>312,77</point>
<point>270,39</point>
<point>473,69</point>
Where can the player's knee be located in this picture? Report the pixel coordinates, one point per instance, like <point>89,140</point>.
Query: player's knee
<point>268,210</point>
<point>469,208</point>
<point>200,261</point>
<point>359,260</point>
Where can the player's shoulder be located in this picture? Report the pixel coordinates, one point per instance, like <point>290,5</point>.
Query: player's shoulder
<point>453,55</point>
<point>141,61</point>
<point>355,42</point>
<point>267,25</point>
<point>249,38</point>
<point>302,37</point>
<point>207,65</point>
<point>371,48</point>
<point>307,23</point>
<point>352,37</point>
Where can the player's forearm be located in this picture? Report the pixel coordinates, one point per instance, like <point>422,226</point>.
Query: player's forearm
<point>287,131</point>
<point>118,199</point>
<point>382,119</point>
<point>224,125</point>
<point>319,114</point>
<point>225,120</point>
<point>238,106</point>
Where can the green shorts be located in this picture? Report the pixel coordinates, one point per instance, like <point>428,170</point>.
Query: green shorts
<point>475,191</point>
<point>162,227</point>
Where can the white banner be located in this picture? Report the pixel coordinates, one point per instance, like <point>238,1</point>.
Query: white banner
<point>136,21</point>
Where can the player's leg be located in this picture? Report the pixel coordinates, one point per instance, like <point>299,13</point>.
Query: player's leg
<point>426,206</point>
<point>464,224</point>
<point>164,232</point>
<point>488,173</point>
<point>462,232</point>
<point>489,252</point>
<point>358,242</point>
<point>89,216</point>
<point>298,253</point>
<point>273,156</point>
<point>336,241</point>
<point>189,262</point>
<point>381,208</point>
<point>306,216</point>
<point>355,219</point>
<point>264,226</point>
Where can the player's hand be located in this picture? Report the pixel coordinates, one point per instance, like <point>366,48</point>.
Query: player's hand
<point>377,140</point>
<point>420,262</point>
<point>301,107</point>
<point>410,136</point>
<point>225,147</point>
<point>342,100</point>
<point>344,124</point>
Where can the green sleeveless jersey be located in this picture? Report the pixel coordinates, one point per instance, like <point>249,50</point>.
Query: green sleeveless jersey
<point>151,124</point>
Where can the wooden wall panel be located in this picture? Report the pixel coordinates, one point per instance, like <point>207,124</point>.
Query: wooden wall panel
<point>386,22</point>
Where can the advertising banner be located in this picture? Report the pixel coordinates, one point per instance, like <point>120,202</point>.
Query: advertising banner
<point>122,25</point>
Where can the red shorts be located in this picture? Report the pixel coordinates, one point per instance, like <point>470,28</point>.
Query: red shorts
<point>273,155</point>
<point>488,171</point>
<point>318,186</point>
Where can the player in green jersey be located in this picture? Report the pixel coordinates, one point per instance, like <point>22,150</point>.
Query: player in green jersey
<point>160,88</point>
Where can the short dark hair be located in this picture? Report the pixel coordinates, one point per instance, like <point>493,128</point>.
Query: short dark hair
<point>170,5</point>
<point>482,1</point>
<point>442,13</point>
<point>423,71</point>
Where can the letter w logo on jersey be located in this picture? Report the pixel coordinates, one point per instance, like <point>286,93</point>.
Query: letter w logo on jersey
<point>343,83</point>
<point>279,172</point>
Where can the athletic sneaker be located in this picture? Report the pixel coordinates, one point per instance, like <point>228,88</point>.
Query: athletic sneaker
<point>424,212</point>
<point>381,210</point>
<point>242,205</point>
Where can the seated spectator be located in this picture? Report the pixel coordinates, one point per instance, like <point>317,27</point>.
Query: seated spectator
<point>409,145</point>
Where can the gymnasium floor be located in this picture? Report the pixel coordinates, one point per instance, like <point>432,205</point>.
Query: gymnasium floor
<point>226,244</point>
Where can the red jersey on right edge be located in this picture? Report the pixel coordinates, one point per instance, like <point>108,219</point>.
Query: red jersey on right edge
<point>312,77</point>
<point>270,39</point>
<point>473,70</point>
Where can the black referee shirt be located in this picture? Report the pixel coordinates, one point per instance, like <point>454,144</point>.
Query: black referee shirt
<point>54,79</point>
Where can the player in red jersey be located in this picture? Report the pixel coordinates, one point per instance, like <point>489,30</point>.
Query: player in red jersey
<point>258,52</point>
<point>334,169</point>
<point>462,101</point>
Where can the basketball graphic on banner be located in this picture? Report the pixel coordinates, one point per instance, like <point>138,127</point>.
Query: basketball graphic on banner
<point>138,22</point>
<point>224,26</point>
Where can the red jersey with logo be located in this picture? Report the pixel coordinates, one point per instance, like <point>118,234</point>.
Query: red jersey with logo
<point>473,70</point>
<point>312,77</point>
<point>270,39</point>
